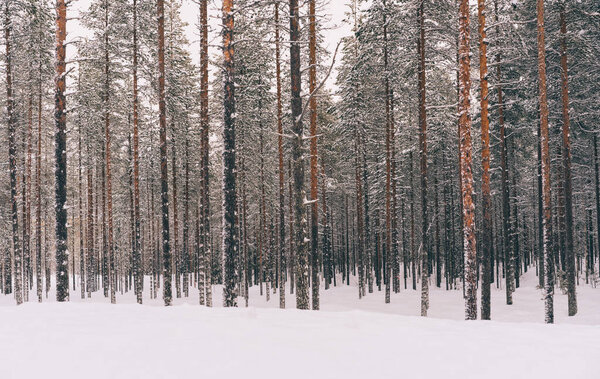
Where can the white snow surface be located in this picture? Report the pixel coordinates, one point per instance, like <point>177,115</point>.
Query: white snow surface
<point>348,338</point>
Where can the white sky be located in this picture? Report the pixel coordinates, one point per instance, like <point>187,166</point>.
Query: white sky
<point>333,13</point>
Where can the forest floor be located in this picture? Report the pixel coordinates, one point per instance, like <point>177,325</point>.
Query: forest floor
<point>348,338</point>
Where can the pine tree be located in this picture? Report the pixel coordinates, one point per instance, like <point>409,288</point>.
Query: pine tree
<point>280,159</point>
<point>566,155</point>
<point>60,118</point>
<point>545,158</point>
<point>423,152</point>
<point>314,193</point>
<point>164,175</point>
<point>300,227</point>
<point>466,155</point>
<point>138,269</point>
<point>230,243</point>
<point>485,162</point>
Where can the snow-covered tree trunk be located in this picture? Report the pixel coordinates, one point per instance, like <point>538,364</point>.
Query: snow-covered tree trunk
<point>138,269</point>
<point>230,244</point>
<point>38,190</point>
<point>486,234</point>
<point>389,140</point>
<point>280,160</point>
<point>314,192</point>
<point>566,156</point>
<point>12,163</point>
<point>423,152</point>
<point>60,119</point>
<point>506,225</point>
<point>108,160</point>
<point>300,221</point>
<point>547,208</point>
<point>466,173</point>
<point>164,175</point>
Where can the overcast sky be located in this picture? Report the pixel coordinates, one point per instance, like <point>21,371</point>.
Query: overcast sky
<point>333,13</point>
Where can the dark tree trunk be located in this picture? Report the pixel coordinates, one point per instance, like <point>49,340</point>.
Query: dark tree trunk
<point>423,153</point>
<point>230,243</point>
<point>60,118</point>
<point>164,174</point>
<point>566,155</point>
<point>300,223</point>
<point>486,242</point>
<point>314,192</point>
<point>547,209</point>
<point>281,168</point>
<point>466,174</point>
<point>12,163</point>
<point>138,270</point>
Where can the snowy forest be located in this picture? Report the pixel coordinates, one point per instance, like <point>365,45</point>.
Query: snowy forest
<point>440,159</point>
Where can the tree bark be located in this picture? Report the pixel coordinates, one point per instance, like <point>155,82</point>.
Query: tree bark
<point>547,209</point>
<point>108,159</point>
<point>506,226</point>
<point>164,174</point>
<point>389,130</point>
<point>281,168</point>
<point>566,155</point>
<point>12,163</point>
<point>138,270</point>
<point>485,163</point>
<point>466,174</point>
<point>300,223</point>
<point>423,153</point>
<point>314,194</point>
<point>230,243</point>
<point>60,119</point>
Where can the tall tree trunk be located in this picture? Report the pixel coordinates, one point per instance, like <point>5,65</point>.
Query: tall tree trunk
<point>185,261</point>
<point>547,220</point>
<point>291,221</point>
<point>80,213</point>
<point>597,183</point>
<point>314,194</point>
<point>107,148</point>
<point>389,131</point>
<point>12,163</point>
<point>506,226</point>
<point>466,173</point>
<point>300,227</point>
<point>164,174</point>
<point>281,168</point>
<point>26,190</point>
<point>176,258</point>
<point>423,153</point>
<point>566,155</point>
<point>485,163</point>
<point>230,243</point>
<point>204,283</point>
<point>138,270</point>
<point>60,118</point>
<point>91,226</point>
<point>38,190</point>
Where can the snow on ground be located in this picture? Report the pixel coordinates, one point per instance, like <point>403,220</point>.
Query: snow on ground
<point>348,338</point>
